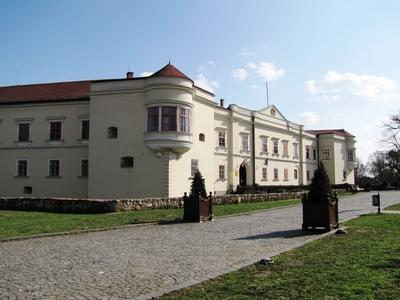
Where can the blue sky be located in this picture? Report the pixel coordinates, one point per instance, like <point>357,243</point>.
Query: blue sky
<point>329,64</point>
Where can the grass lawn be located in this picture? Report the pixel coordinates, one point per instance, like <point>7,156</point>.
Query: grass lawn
<point>364,264</point>
<point>19,223</point>
<point>393,207</point>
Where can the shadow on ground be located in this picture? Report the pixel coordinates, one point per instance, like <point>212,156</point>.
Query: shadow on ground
<point>287,234</point>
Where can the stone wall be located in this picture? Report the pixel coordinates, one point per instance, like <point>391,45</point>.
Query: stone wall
<point>70,205</point>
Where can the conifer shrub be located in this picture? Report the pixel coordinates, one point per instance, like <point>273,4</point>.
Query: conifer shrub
<point>320,185</point>
<point>198,187</point>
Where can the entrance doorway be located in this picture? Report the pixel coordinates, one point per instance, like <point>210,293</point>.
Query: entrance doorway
<point>242,175</point>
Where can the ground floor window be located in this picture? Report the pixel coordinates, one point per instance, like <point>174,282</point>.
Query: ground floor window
<point>22,168</point>
<point>54,168</point>
<point>308,174</point>
<point>295,173</point>
<point>285,174</point>
<point>84,167</point>
<point>264,173</point>
<point>276,174</point>
<point>221,172</point>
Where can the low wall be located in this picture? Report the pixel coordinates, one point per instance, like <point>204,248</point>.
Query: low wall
<point>70,205</point>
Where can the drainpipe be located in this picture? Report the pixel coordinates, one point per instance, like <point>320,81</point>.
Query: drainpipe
<point>301,171</point>
<point>230,152</point>
<point>253,148</point>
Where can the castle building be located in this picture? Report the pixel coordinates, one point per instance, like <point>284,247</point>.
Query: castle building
<point>146,137</point>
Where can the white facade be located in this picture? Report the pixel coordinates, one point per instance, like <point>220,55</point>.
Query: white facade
<point>148,135</point>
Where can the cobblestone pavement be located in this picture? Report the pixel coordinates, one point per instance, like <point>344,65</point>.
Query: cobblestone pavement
<point>147,261</point>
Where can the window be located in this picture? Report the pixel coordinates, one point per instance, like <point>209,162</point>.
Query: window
<point>84,129</point>
<point>314,153</point>
<point>276,174</point>
<point>55,131</point>
<point>307,152</point>
<point>27,190</point>
<point>153,118</point>
<point>112,132</point>
<point>202,137</point>
<point>221,172</point>
<point>168,118</point>
<point>264,144</point>
<point>221,139</point>
<point>245,142</point>
<point>22,168</point>
<point>285,174</point>
<point>173,118</point>
<point>54,168</point>
<point>127,162</point>
<point>295,150</point>
<point>184,119</point>
<point>285,148</point>
<point>308,174</point>
<point>276,149</point>
<point>325,154</point>
<point>350,155</point>
<point>264,173</point>
<point>295,174</point>
<point>194,167</point>
<point>84,167</point>
<point>24,132</point>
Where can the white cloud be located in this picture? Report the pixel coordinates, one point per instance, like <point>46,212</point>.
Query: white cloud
<point>146,74</point>
<point>254,86</point>
<point>252,65</point>
<point>201,68</point>
<point>203,82</point>
<point>212,62</point>
<point>309,118</point>
<point>246,52</point>
<point>334,85</point>
<point>240,74</point>
<point>267,70</point>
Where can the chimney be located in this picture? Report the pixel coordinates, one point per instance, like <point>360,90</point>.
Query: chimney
<point>221,102</point>
<point>129,75</point>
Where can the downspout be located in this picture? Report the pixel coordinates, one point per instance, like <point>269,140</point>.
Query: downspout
<point>230,152</point>
<point>301,156</point>
<point>253,148</point>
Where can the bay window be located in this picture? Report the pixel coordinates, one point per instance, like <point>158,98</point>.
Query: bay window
<point>168,118</point>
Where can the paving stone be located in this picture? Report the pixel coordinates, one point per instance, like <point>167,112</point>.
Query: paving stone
<point>147,261</point>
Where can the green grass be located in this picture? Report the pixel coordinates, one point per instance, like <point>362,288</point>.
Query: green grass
<point>19,223</point>
<point>393,207</point>
<point>364,264</point>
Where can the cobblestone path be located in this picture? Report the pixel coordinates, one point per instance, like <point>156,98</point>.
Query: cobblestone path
<point>147,261</point>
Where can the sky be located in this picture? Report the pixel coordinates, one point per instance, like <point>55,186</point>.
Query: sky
<point>328,64</point>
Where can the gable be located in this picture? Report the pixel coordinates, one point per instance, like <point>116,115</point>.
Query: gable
<point>273,112</point>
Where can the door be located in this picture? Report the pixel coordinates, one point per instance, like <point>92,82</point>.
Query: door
<point>242,175</point>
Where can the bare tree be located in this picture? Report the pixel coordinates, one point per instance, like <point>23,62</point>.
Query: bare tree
<point>392,131</point>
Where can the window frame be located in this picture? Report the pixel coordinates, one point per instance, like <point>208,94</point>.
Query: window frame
<point>264,144</point>
<point>221,172</point>
<point>82,138</point>
<point>326,154</point>
<point>82,167</point>
<point>26,173</point>
<point>222,138</point>
<point>285,174</point>
<point>49,170</point>
<point>295,174</point>
<point>28,140</point>
<point>264,173</point>
<point>244,142</point>
<point>307,152</point>
<point>194,167</point>
<point>112,132</point>
<point>275,146</point>
<point>285,148</point>
<point>58,133</point>
<point>276,174</point>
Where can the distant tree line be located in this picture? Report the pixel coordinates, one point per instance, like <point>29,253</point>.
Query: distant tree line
<point>383,168</point>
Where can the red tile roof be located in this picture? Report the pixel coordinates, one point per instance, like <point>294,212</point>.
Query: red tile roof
<point>169,70</point>
<point>59,91</point>
<point>331,131</point>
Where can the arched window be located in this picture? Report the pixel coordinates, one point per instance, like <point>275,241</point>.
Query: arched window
<point>112,132</point>
<point>202,137</point>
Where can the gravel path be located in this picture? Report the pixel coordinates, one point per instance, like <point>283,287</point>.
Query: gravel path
<point>150,260</point>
